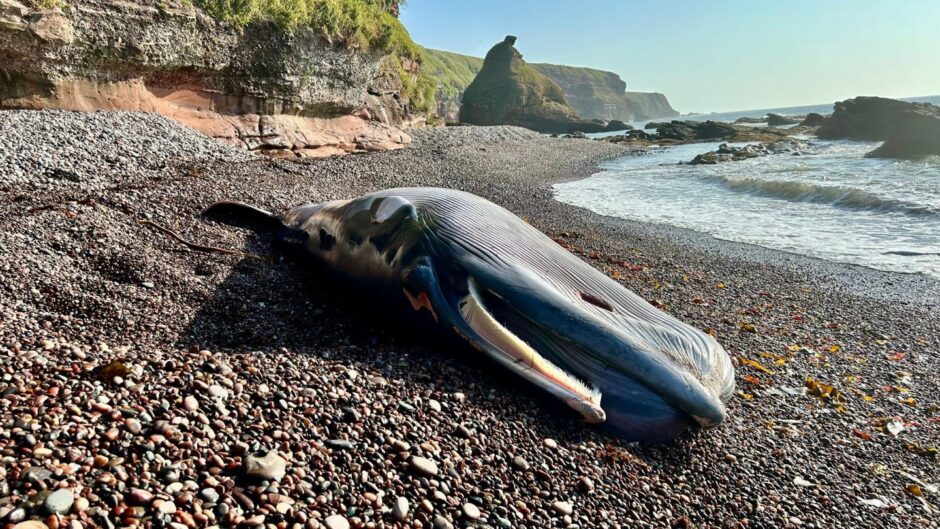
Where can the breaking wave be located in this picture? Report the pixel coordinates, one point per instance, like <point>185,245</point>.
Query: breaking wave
<point>839,196</point>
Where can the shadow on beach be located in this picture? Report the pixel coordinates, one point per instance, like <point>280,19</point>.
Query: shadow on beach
<point>276,303</point>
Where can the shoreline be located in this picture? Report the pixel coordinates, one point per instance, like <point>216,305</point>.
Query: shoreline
<point>868,281</point>
<point>229,355</point>
<point>887,285</point>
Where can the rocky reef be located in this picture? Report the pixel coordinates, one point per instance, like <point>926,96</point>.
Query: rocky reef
<point>260,86</point>
<point>730,153</point>
<point>686,131</point>
<point>507,91</point>
<point>909,130</point>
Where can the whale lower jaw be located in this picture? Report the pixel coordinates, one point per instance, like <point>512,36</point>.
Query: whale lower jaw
<point>514,353</point>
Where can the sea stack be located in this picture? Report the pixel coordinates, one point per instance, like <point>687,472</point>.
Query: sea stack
<point>507,91</point>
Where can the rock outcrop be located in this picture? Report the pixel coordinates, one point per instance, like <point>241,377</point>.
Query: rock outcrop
<point>813,119</point>
<point>594,94</point>
<point>909,130</point>
<point>750,121</point>
<point>679,132</point>
<point>728,153</point>
<point>507,91</point>
<point>776,120</point>
<point>864,118</point>
<point>257,86</point>
<point>916,135</point>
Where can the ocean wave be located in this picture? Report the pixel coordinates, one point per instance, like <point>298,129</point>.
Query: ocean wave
<point>838,196</point>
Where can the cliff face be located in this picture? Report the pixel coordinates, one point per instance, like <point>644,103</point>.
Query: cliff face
<point>598,94</point>
<point>649,105</point>
<point>257,86</point>
<point>454,73</point>
<point>507,91</point>
<point>594,94</point>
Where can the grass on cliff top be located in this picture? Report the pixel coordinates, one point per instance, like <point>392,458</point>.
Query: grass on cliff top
<point>454,72</point>
<point>364,24</point>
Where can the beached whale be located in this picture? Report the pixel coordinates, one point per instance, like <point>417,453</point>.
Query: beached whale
<point>475,269</point>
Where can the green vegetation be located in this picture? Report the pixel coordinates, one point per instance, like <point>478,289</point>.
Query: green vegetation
<point>366,25</point>
<point>509,91</point>
<point>363,24</point>
<point>592,93</point>
<point>419,89</point>
<point>46,4</point>
<point>454,72</point>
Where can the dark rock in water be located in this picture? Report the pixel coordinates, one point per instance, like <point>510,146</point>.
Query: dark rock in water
<point>631,136</point>
<point>727,153</point>
<point>865,118</point>
<point>910,130</point>
<point>507,91</point>
<point>676,130</point>
<point>813,120</point>
<point>916,135</point>
<point>776,120</point>
<point>751,121</point>
<point>696,130</point>
<point>616,124</point>
<point>653,125</point>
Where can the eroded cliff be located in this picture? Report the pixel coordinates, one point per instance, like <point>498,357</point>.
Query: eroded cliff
<point>259,85</point>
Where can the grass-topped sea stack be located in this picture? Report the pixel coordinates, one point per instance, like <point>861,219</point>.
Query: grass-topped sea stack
<point>509,91</point>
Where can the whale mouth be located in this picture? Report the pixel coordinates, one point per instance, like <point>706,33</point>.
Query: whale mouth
<point>514,353</point>
<point>555,355</point>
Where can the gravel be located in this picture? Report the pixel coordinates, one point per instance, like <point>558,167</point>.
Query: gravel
<point>57,148</point>
<point>107,327</point>
<point>436,138</point>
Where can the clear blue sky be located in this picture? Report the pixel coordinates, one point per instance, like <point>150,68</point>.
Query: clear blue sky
<point>710,55</point>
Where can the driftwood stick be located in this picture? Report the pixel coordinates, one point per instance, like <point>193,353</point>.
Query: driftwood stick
<point>194,246</point>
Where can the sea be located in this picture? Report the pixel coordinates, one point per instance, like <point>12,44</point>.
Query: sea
<point>831,202</point>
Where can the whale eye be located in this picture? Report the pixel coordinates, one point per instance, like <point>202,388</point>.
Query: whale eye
<point>326,240</point>
<point>597,302</point>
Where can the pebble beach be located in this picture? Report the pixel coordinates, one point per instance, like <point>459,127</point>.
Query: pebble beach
<point>144,384</point>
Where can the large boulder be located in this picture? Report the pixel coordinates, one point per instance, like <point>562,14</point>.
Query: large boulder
<point>776,120</point>
<point>728,153</point>
<point>259,86</point>
<point>507,91</point>
<point>696,130</point>
<point>916,135</point>
<point>909,130</point>
<point>863,118</point>
<point>813,119</point>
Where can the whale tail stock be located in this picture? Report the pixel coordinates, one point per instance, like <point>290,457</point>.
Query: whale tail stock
<point>286,239</point>
<point>243,213</point>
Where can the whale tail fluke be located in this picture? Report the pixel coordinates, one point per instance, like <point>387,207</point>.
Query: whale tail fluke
<point>243,214</point>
